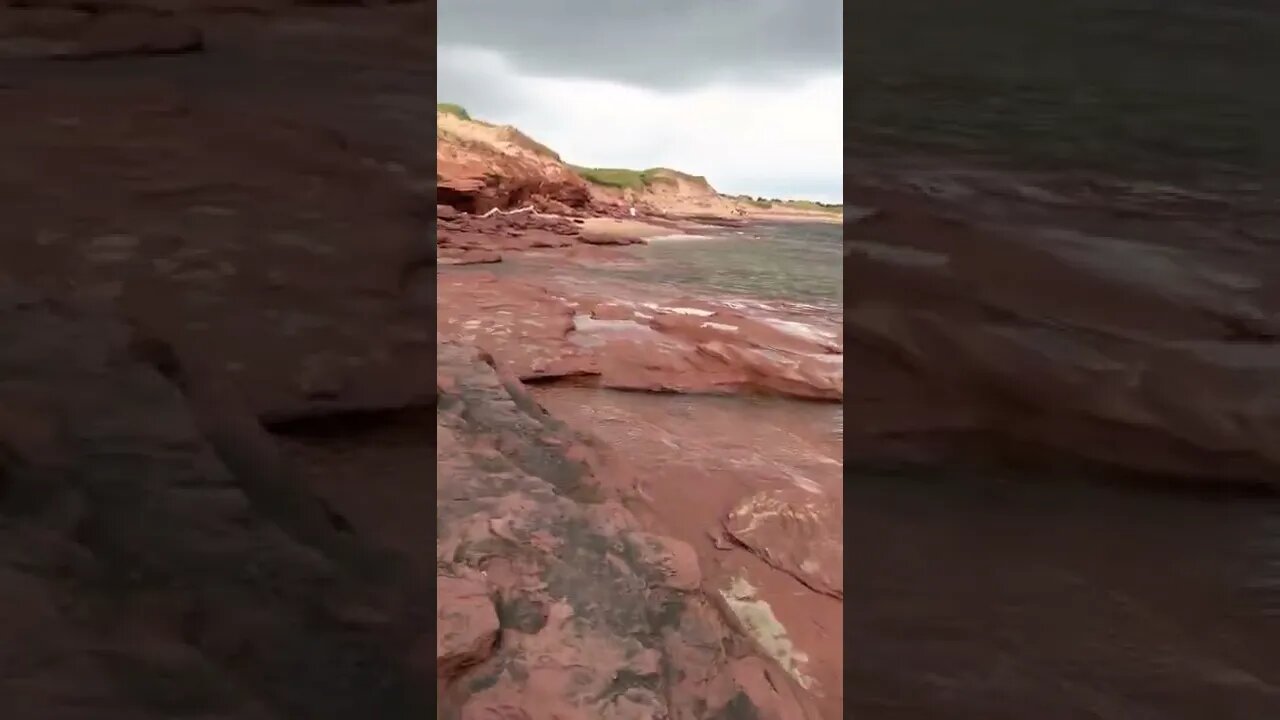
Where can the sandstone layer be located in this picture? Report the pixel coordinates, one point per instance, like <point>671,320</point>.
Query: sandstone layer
<point>482,167</point>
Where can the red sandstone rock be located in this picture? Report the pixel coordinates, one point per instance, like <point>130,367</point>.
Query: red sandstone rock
<point>522,504</point>
<point>152,530</point>
<point>498,232</point>
<point>466,625</point>
<point>797,530</point>
<point>543,332</point>
<point>615,311</point>
<point>468,257</point>
<point>676,560</point>
<point>478,177</point>
<point>607,239</point>
<point>159,545</point>
<point>1000,328</point>
<point>689,463</point>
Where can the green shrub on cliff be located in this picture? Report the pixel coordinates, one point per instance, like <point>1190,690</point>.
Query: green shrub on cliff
<point>660,174</point>
<point>634,179</point>
<point>814,206</point>
<point>612,177</point>
<point>453,109</point>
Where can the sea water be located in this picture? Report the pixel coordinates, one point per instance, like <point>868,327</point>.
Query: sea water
<point>796,262</point>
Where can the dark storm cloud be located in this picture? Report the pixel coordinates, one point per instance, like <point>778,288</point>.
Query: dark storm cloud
<point>653,43</point>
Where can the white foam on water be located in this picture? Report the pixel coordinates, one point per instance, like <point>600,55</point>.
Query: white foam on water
<point>802,330</point>
<point>676,237</point>
<point>696,312</point>
<point>747,305</point>
<point>720,326</point>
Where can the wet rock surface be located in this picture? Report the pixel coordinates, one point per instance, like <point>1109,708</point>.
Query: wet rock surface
<point>219,259</point>
<point>159,558</point>
<point>696,469</point>
<point>232,209</point>
<point>597,617</point>
<point>1060,452</point>
<point>796,530</point>
<point>1134,333</point>
<point>464,239</point>
<point>1008,578</point>
<point>589,331</point>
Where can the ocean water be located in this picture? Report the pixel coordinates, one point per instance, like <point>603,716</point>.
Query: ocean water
<point>1178,90</point>
<point>796,262</point>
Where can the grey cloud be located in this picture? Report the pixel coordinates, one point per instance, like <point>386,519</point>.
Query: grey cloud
<point>488,95</point>
<point>653,43</point>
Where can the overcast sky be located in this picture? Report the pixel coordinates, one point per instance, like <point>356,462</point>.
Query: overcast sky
<point>748,93</point>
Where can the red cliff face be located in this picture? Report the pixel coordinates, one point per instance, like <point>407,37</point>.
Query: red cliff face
<point>480,167</point>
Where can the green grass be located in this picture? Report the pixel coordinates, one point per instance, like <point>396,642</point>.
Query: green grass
<point>612,177</point>
<point>453,109</point>
<point>625,179</point>
<point>756,201</point>
<point>807,205</point>
<point>813,206</point>
<point>658,174</point>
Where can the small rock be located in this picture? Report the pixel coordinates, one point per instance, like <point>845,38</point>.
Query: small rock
<point>719,540</point>
<point>466,625</point>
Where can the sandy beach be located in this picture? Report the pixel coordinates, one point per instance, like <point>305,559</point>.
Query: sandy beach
<point>796,216</point>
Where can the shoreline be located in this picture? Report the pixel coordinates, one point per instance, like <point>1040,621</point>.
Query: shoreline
<point>799,217</point>
<point>654,228</point>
